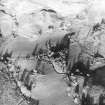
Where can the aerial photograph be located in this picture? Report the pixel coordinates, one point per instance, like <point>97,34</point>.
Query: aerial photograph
<point>52,52</point>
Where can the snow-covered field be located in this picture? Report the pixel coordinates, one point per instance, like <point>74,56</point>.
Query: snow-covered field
<point>25,24</point>
<point>21,11</point>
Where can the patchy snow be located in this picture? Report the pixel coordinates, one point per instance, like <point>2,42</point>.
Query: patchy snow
<point>90,11</point>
